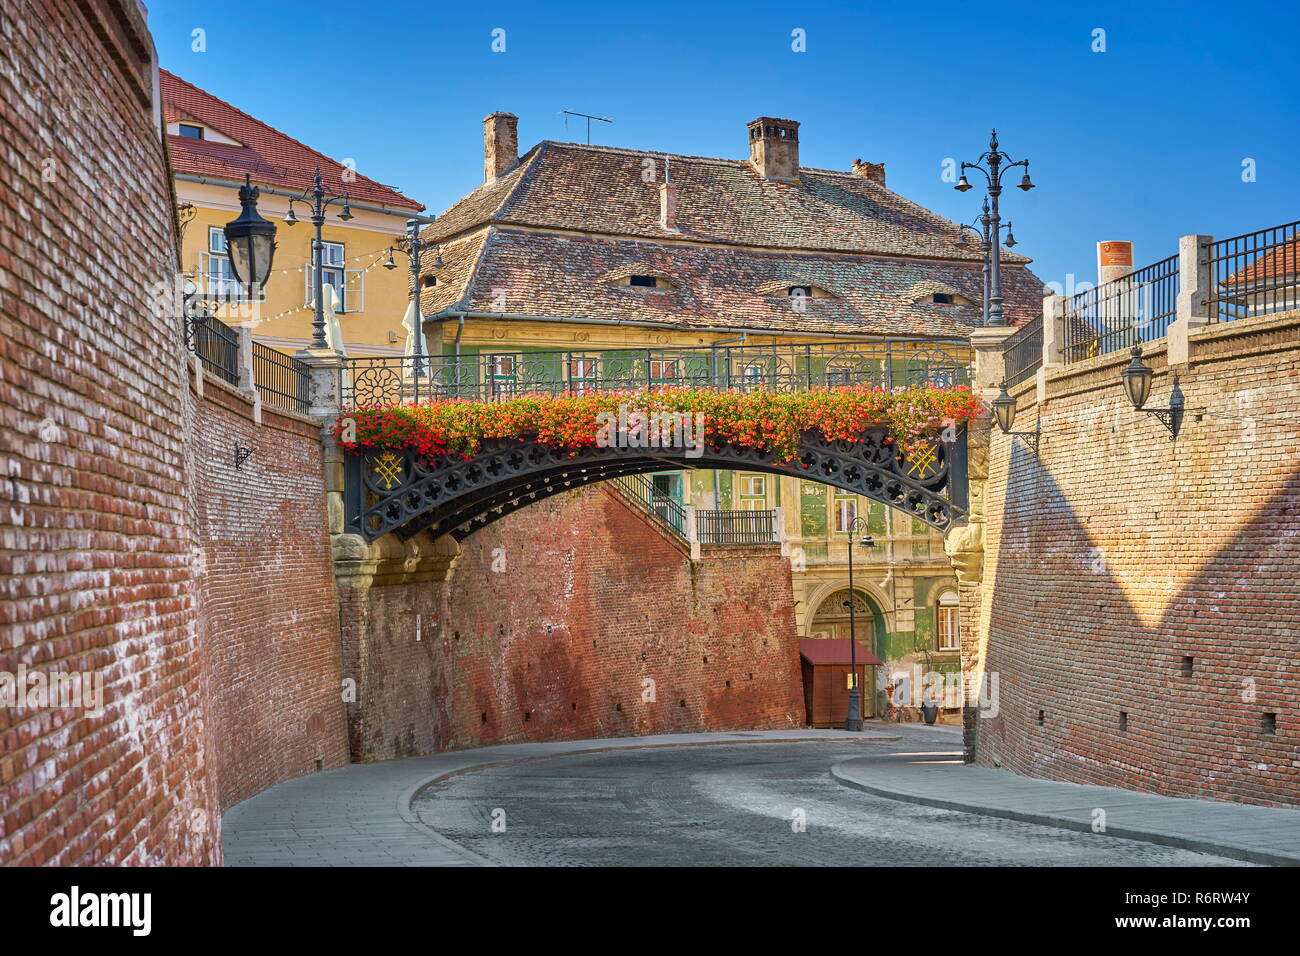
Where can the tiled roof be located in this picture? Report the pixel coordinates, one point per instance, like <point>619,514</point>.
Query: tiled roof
<point>528,272</point>
<point>1282,260</point>
<point>601,189</point>
<point>552,237</point>
<point>271,157</point>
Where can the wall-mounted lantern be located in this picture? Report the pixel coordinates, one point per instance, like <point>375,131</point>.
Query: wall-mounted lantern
<point>1137,377</point>
<point>1004,412</point>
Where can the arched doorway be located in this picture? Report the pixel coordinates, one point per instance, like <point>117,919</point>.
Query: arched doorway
<point>832,620</point>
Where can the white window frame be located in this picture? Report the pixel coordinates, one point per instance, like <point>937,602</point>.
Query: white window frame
<point>846,510</point>
<point>218,274</point>
<point>349,283</point>
<point>751,500</point>
<point>947,621</point>
<point>661,364</point>
<point>584,374</point>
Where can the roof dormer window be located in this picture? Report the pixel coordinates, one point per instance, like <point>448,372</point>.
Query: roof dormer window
<point>800,290</point>
<point>942,298</point>
<point>189,131</point>
<point>648,282</point>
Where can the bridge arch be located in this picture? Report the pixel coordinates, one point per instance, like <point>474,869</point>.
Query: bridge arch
<point>396,490</point>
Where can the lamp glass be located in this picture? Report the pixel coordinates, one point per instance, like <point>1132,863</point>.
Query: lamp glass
<point>1004,410</point>
<point>1137,379</point>
<point>250,240</point>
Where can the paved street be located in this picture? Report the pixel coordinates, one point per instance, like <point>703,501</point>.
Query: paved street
<point>734,805</point>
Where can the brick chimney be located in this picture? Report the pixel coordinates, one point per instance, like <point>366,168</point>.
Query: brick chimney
<point>872,171</point>
<point>774,148</point>
<point>500,145</point>
<point>668,199</point>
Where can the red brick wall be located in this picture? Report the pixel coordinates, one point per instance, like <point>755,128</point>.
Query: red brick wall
<point>268,615</point>
<point>1118,553</point>
<point>592,601</point>
<point>95,571</point>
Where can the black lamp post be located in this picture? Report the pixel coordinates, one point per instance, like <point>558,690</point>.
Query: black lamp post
<point>853,721</point>
<point>250,240</point>
<point>318,201</point>
<point>413,247</point>
<point>1137,377</point>
<point>986,244</point>
<point>998,166</point>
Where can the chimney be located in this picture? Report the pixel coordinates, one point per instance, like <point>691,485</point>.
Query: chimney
<point>872,171</point>
<point>668,199</point>
<point>774,148</point>
<point>500,145</point>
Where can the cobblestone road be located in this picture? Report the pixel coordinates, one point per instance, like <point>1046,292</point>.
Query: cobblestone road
<point>738,806</point>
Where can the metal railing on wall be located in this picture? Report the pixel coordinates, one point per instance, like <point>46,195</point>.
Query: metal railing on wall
<point>667,509</point>
<point>217,346</point>
<point>1122,313</point>
<point>1255,274</point>
<point>493,376</point>
<point>281,379</point>
<point>1022,353</point>
<point>736,527</point>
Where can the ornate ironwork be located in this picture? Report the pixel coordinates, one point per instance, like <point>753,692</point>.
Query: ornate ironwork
<point>399,491</point>
<point>493,376</point>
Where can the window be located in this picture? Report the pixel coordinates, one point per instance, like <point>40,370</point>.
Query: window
<point>501,373</point>
<point>663,370</point>
<point>846,509</point>
<point>753,492</point>
<point>219,274</point>
<point>348,283</point>
<point>190,132</point>
<point>947,622</point>
<point>582,374</point>
<point>647,282</point>
<point>942,298</point>
<point>800,291</point>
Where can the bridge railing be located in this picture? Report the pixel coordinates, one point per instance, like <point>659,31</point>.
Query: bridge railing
<point>1022,354</point>
<point>493,375</point>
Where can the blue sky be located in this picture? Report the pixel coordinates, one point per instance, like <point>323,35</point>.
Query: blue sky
<point>1144,141</point>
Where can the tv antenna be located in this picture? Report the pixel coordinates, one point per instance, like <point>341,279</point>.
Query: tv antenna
<point>588,117</point>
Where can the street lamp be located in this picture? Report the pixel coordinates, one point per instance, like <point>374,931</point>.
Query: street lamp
<point>853,721</point>
<point>414,247</point>
<point>998,166</point>
<point>985,244</point>
<point>1137,377</point>
<point>250,239</point>
<point>317,200</point>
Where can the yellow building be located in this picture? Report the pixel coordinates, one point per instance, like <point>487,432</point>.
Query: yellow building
<point>213,145</point>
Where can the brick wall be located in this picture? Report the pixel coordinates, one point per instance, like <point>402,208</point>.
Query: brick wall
<point>1118,553</point>
<point>268,614</point>
<point>552,622</point>
<point>95,567</point>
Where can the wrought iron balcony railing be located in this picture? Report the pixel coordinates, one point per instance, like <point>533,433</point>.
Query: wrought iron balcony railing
<point>736,527</point>
<point>1122,313</point>
<point>496,375</point>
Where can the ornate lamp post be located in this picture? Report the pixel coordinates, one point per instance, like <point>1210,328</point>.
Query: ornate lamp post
<point>853,721</point>
<point>318,201</point>
<point>414,248</point>
<point>998,165</point>
<point>986,244</point>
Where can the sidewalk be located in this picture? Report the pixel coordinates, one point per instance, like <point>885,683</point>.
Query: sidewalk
<point>1237,831</point>
<point>360,815</point>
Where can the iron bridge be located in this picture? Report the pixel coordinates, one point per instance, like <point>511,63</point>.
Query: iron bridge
<point>400,491</point>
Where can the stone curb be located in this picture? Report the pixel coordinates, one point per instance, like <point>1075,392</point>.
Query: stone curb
<point>852,778</point>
